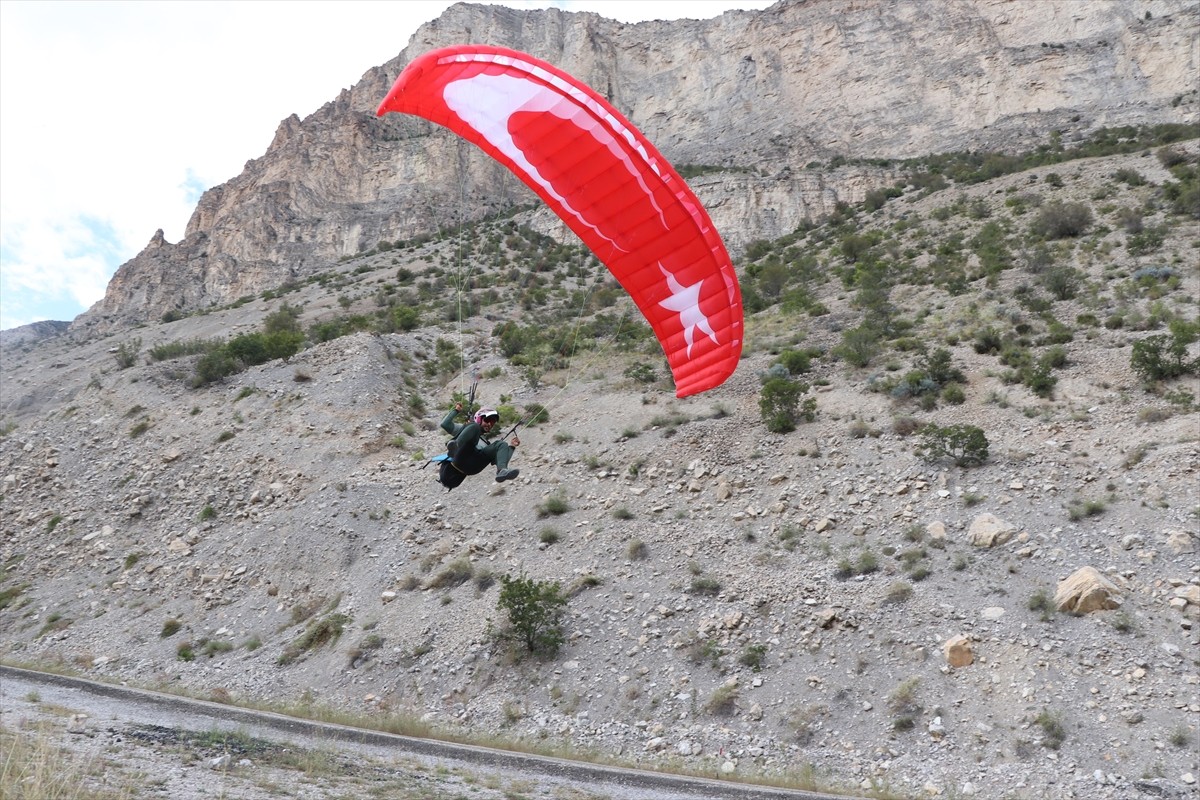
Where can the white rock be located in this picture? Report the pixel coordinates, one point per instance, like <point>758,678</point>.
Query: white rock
<point>988,530</point>
<point>1086,590</point>
<point>936,729</point>
<point>1180,543</point>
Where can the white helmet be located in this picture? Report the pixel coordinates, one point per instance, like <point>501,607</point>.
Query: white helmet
<point>487,413</point>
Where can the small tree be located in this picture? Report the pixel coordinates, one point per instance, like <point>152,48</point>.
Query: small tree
<point>1161,357</point>
<point>1063,282</point>
<point>535,610</point>
<point>966,445</point>
<point>781,407</point>
<point>939,366</point>
<point>406,318</point>
<point>859,345</point>
<point>127,352</point>
<point>285,319</point>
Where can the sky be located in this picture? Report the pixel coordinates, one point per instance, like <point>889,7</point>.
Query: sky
<point>116,116</point>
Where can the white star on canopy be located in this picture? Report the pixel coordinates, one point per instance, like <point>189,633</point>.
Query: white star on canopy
<point>686,301</point>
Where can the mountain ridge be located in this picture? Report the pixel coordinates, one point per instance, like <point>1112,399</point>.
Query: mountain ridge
<point>871,81</point>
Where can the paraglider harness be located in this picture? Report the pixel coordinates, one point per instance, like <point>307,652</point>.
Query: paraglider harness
<point>449,475</point>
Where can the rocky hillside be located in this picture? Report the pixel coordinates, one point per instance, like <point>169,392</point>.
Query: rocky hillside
<point>824,606</point>
<point>775,93</point>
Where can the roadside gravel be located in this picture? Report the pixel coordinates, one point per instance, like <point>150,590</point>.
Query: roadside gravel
<point>147,744</point>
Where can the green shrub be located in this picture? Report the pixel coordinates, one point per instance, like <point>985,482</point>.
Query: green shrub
<point>535,610</point>
<point>965,445</point>
<point>1129,176</point>
<point>724,700</point>
<point>319,633</point>
<point>1171,157</point>
<point>954,394</point>
<point>1062,220</point>
<point>859,345</point>
<point>555,505</point>
<point>1058,333</point>
<point>1063,282</point>
<point>1081,508</point>
<point>904,704</point>
<point>1042,603</point>
<point>939,366</point>
<point>781,406</point>
<point>906,425</point>
<point>456,573</point>
<point>1054,733</point>
<point>1146,241</point>
<point>405,318</point>
<point>866,564</point>
<point>1163,357</point>
<point>753,656</point>
<point>214,366</point>
<point>9,595</point>
<point>285,319</point>
<point>245,351</point>
<point>535,414</point>
<point>1039,378</point>
<point>214,646</point>
<point>898,592</point>
<point>1180,736</point>
<point>988,340</point>
<point>127,352</point>
<point>797,362</point>
<point>641,372</point>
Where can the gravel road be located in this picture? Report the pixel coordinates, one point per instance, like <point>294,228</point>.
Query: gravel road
<point>146,744</point>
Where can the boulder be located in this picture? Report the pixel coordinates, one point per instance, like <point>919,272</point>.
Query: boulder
<point>1086,590</point>
<point>988,530</point>
<point>1180,542</point>
<point>958,652</point>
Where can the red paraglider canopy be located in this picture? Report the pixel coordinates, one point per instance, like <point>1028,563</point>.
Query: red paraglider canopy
<point>605,180</point>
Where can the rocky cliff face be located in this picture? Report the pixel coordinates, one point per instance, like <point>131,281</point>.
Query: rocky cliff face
<point>764,94</point>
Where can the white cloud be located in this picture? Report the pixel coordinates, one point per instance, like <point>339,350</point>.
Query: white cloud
<point>116,115</point>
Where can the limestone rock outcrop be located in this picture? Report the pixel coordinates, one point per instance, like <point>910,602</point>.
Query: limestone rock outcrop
<point>777,91</point>
<point>988,530</point>
<point>1086,590</point>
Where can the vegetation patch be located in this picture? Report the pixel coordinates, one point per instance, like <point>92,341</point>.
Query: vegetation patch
<point>319,633</point>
